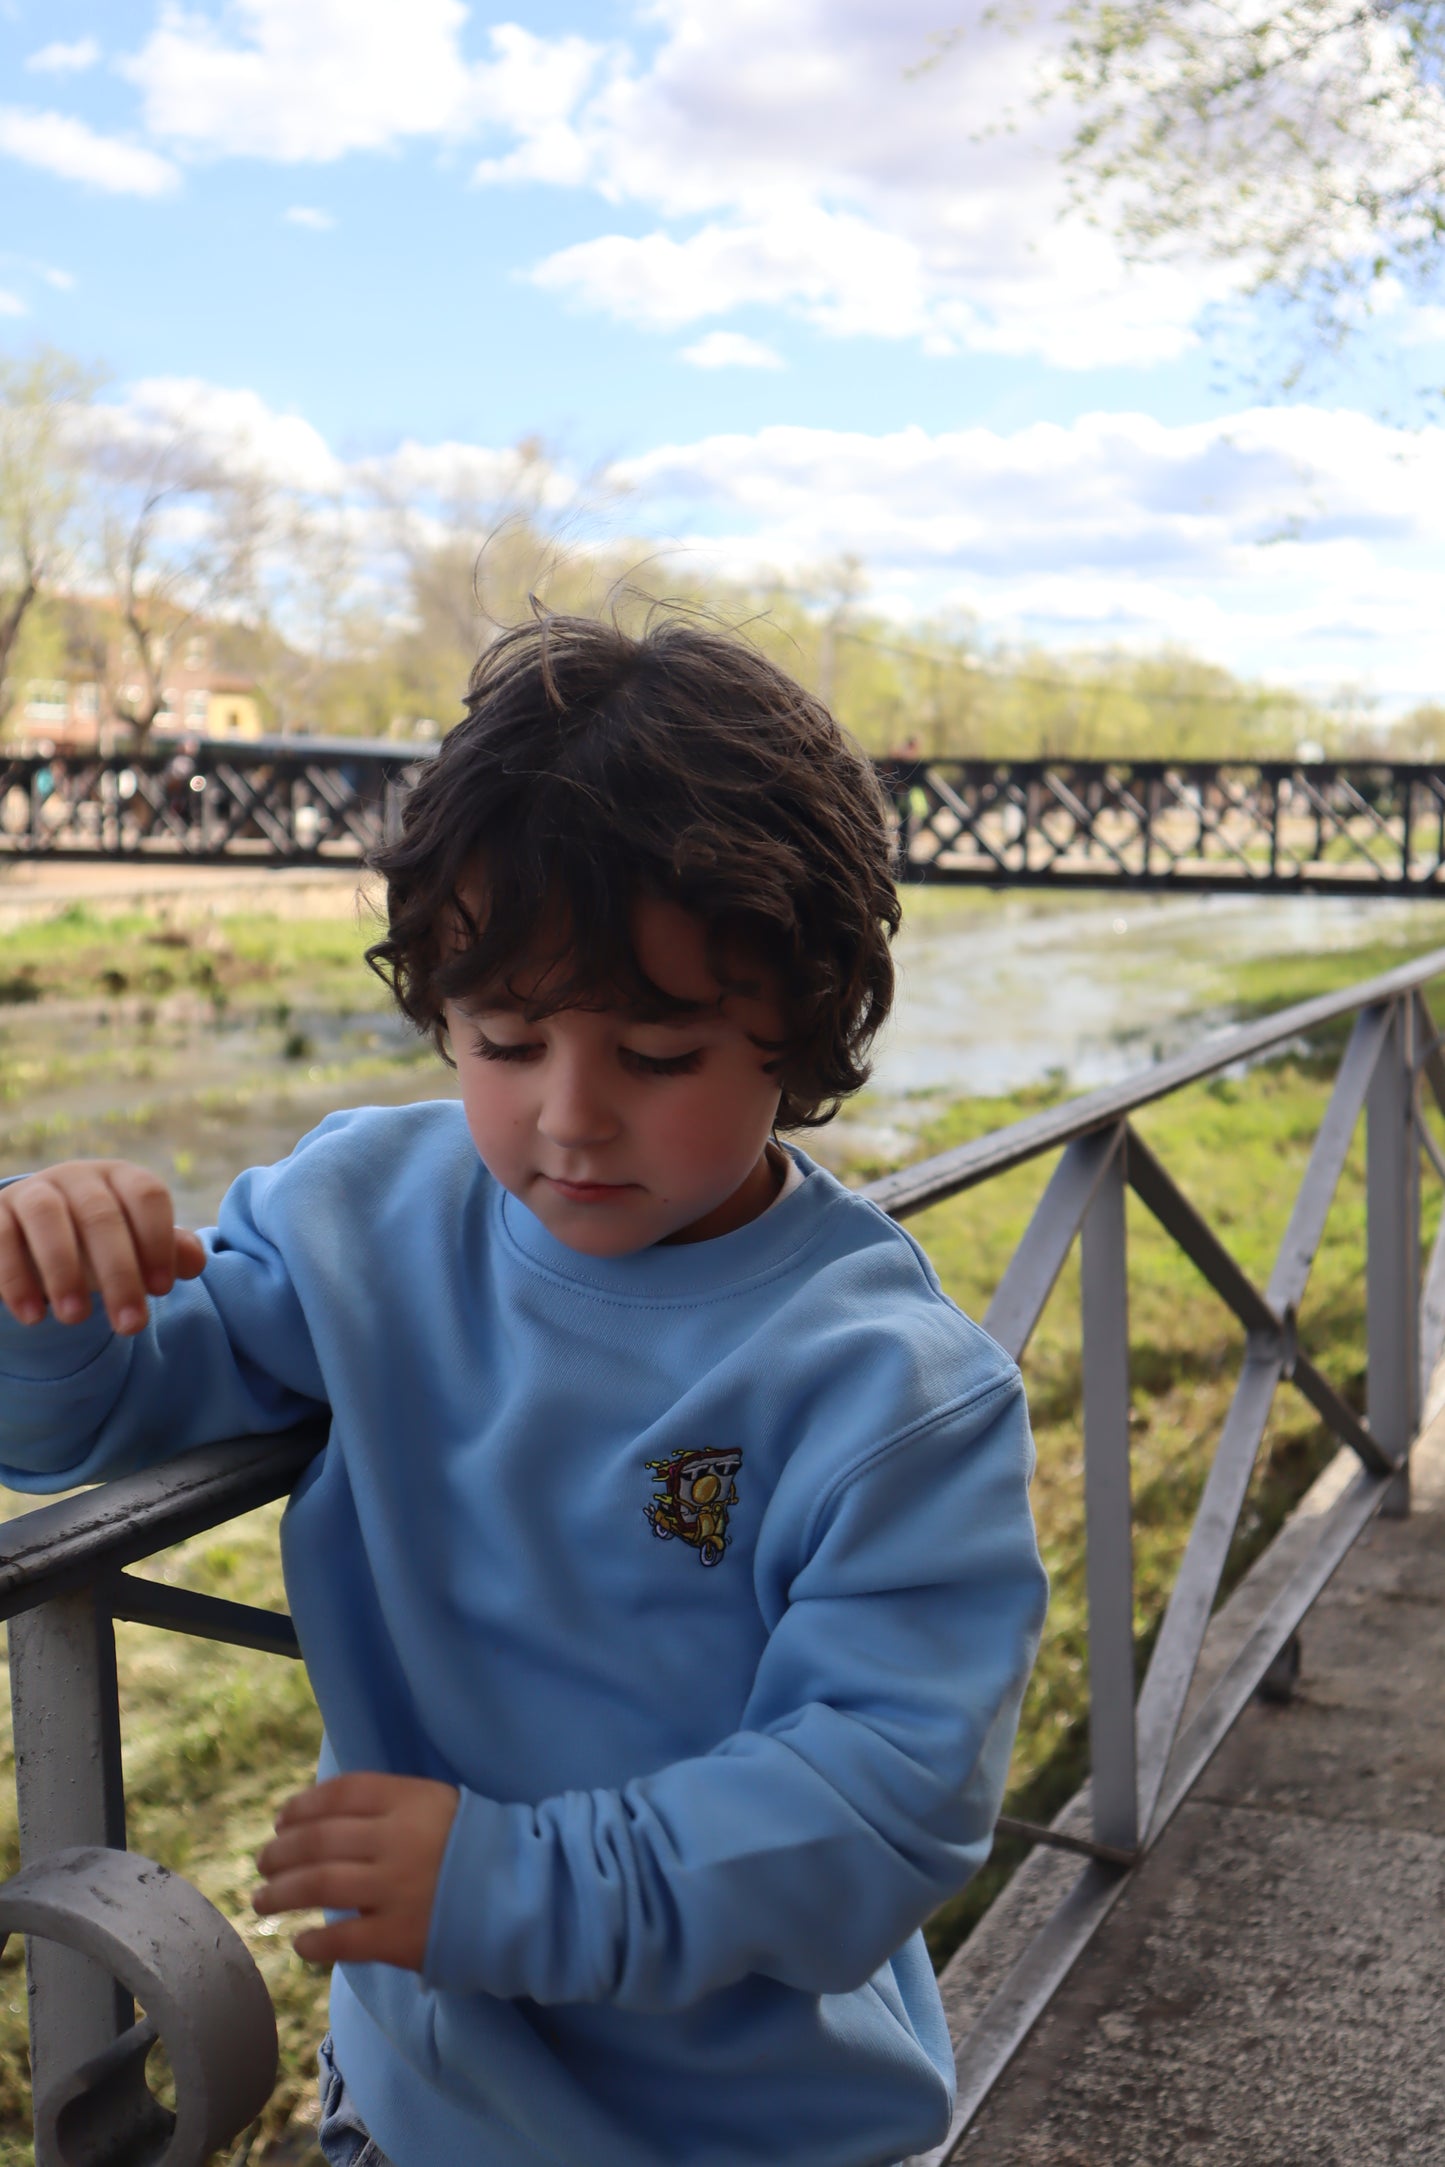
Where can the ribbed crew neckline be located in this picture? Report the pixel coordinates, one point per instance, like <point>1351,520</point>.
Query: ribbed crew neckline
<point>680,1271</point>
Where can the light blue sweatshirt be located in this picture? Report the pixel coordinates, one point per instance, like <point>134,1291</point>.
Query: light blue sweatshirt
<point>706,1573</point>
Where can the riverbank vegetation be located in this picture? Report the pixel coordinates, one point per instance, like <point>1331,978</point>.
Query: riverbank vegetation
<point>215,1737</point>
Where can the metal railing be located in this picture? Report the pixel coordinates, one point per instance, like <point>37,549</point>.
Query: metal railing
<point>301,801</point>
<point>1280,826</point>
<point>1327,827</point>
<point>104,1928</point>
<point>63,1580</point>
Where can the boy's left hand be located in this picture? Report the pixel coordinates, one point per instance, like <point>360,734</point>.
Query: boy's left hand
<point>368,1844</point>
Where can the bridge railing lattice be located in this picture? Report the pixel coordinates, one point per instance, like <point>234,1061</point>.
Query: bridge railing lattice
<point>1342,828</point>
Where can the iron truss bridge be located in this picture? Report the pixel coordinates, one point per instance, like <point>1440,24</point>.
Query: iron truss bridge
<point>1332,828</point>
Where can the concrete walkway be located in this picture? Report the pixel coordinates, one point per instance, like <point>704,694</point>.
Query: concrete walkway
<point>1271,1990</point>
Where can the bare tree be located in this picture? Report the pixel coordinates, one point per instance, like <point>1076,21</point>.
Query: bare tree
<point>180,540</point>
<point>306,619</point>
<point>473,551</point>
<point>42,483</point>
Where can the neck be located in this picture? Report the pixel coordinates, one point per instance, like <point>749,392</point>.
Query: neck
<point>748,1201</point>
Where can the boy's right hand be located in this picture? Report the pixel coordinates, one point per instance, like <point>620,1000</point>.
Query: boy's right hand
<point>88,1224</point>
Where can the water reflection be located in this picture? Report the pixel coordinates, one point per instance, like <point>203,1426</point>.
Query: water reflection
<point>999,995</point>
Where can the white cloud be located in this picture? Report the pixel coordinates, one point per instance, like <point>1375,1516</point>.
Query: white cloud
<point>1294,543</point>
<point>834,181</point>
<point>62,59</point>
<point>838,269</point>
<point>783,153</point>
<point>237,428</point>
<point>299,80</point>
<point>731,350</point>
<point>58,143</point>
<point>11,304</point>
<point>307,214</point>
<point>303,81</point>
<point>48,274</point>
<point>503,476</point>
<point>531,87</point>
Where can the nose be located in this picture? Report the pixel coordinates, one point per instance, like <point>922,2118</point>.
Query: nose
<point>576,1113</point>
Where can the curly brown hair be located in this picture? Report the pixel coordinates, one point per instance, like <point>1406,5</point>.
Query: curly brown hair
<point>594,768</point>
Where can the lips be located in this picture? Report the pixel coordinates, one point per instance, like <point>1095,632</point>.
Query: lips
<point>588,1192</point>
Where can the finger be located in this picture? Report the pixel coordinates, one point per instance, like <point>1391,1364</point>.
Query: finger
<point>192,1255</point>
<point>327,1885</point>
<point>362,1793</point>
<point>110,1249</point>
<point>146,1203</point>
<point>48,1230</point>
<point>20,1288</point>
<point>331,1839</point>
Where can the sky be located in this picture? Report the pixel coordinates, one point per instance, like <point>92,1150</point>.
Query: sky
<point>778,281</point>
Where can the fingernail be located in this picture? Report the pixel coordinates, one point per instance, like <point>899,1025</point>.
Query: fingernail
<point>130,1319</point>
<point>30,1312</point>
<point>71,1309</point>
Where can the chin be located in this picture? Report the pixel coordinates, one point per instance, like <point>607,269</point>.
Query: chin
<point>585,1230</point>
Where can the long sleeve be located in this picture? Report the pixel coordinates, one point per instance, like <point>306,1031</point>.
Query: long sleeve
<point>225,1355</point>
<point>859,1792</point>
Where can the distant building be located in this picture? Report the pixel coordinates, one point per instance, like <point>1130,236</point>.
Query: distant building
<point>203,699</point>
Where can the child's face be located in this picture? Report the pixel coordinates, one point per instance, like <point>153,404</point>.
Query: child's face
<point>616,1133</point>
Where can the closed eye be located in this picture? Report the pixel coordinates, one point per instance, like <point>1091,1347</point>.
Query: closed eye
<point>490,1051</point>
<point>656,1064</point>
<point>641,1064</point>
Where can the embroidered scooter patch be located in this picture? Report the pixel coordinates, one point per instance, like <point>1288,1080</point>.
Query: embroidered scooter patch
<point>694,1495</point>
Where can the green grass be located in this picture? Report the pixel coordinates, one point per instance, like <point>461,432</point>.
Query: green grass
<point>80,953</point>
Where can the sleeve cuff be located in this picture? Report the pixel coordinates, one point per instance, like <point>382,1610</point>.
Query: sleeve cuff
<point>473,1886</point>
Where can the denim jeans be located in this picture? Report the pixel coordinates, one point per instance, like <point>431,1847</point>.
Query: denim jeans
<point>342,2136</point>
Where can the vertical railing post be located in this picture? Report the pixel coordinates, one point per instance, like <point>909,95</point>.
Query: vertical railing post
<point>1108,1532</point>
<point>69,1790</point>
<point>1392,1285</point>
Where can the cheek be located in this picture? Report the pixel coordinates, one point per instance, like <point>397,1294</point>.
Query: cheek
<point>493,1101</point>
<point>724,1120</point>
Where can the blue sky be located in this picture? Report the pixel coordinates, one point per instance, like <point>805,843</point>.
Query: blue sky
<point>798,296</point>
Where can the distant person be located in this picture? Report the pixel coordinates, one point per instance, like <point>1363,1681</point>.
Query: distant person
<point>177,778</point>
<point>910,799</point>
<point>668,1585</point>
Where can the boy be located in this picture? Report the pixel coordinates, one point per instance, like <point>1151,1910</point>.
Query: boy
<point>668,1585</point>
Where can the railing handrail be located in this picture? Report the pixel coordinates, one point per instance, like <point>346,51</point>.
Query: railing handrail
<point>930,1181</point>
<point>61,1546</point>
<point>207,751</point>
